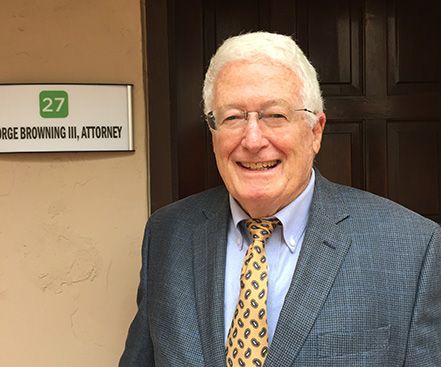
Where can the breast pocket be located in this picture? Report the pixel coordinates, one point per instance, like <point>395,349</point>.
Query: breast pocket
<point>335,344</point>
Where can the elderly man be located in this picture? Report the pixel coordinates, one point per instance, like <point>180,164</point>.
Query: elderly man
<point>281,267</point>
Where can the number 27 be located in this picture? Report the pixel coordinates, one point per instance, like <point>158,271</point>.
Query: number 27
<point>51,102</point>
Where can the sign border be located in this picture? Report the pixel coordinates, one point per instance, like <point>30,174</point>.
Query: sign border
<point>130,128</point>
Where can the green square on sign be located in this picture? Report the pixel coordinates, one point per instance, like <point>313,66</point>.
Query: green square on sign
<point>54,103</point>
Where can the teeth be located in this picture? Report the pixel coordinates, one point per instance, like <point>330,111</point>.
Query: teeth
<point>259,165</point>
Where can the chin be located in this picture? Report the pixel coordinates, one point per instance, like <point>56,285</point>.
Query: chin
<point>257,198</point>
<point>267,191</point>
<point>260,195</point>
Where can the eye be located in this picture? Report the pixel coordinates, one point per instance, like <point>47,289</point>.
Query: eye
<point>232,117</point>
<point>275,116</point>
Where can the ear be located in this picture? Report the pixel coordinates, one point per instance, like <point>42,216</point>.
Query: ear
<point>317,132</point>
<point>214,139</point>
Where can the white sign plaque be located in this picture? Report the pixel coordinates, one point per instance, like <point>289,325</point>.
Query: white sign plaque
<point>65,118</point>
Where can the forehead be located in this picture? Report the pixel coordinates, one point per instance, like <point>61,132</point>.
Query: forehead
<point>255,83</point>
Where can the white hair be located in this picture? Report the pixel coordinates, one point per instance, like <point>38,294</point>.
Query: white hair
<point>263,46</point>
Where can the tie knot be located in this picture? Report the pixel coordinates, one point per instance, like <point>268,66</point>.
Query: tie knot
<point>261,229</point>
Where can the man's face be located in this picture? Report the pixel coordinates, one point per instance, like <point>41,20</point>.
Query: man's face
<point>264,168</point>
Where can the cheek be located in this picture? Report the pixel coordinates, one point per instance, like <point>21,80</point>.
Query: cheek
<point>297,145</point>
<point>307,139</point>
<point>216,145</point>
<point>224,146</point>
<point>222,149</point>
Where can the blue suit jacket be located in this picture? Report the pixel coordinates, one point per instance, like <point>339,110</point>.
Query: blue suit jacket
<point>366,290</point>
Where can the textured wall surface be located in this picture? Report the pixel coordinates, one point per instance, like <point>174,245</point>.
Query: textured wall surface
<point>70,223</point>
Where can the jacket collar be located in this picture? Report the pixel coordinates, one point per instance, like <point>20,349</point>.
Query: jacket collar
<point>324,248</point>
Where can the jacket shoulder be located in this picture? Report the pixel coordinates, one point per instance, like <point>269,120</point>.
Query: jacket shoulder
<point>194,208</point>
<point>367,207</point>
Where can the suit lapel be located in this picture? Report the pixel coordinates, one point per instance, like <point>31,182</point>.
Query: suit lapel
<point>209,252</point>
<point>324,248</point>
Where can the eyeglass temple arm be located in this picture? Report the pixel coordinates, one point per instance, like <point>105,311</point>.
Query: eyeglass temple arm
<point>304,109</point>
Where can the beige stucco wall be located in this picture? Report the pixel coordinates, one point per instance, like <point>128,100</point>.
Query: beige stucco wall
<point>70,223</point>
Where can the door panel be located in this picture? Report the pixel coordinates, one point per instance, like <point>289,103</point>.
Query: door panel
<point>341,155</point>
<point>330,34</point>
<point>414,165</point>
<point>414,47</point>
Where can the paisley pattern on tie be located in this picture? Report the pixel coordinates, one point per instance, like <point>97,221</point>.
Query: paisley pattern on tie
<point>247,341</point>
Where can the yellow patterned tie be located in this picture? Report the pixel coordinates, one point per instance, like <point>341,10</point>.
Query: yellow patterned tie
<point>247,341</point>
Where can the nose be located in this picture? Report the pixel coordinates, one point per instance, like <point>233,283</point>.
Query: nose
<point>254,138</point>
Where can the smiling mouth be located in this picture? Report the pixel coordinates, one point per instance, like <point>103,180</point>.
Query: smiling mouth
<point>259,166</point>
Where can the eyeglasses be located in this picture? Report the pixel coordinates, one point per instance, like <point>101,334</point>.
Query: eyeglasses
<point>232,119</point>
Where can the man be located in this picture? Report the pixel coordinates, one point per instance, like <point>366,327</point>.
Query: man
<point>327,275</point>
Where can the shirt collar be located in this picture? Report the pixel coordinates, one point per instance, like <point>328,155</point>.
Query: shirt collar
<point>293,217</point>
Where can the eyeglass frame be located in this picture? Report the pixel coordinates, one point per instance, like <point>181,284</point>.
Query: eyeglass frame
<point>211,121</point>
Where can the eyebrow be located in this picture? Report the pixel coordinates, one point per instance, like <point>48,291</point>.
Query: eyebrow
<point>270,103</point>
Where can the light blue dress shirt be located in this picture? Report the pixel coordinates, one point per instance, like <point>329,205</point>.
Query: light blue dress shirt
<point>282,252</point>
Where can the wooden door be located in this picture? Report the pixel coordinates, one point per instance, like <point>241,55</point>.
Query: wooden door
<point>379,64</point>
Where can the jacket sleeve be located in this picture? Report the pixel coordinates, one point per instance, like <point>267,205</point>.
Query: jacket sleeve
<point>424,343</point>
<point>138,350</point>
